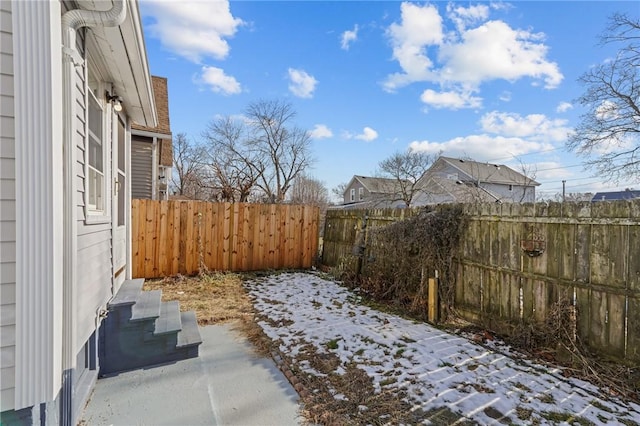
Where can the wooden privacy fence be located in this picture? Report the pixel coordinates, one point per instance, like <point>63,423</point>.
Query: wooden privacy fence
<point>517,261</point>
<point>178,237</point>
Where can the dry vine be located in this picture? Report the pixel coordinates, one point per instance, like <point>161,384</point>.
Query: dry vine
<point>556,340</point>
<point>402,256</point>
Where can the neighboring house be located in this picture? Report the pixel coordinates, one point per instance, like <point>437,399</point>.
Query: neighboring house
<point>627,194</point>
<point>151,152</point>
<point>452,180</point>
<point>373,192</point>
<point>74,79</point>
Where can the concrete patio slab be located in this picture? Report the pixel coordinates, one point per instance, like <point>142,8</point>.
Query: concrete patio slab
<point>226,385</point>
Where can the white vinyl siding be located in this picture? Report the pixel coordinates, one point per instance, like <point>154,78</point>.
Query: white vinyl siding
<point>7,213</point>
<point>94,265</point>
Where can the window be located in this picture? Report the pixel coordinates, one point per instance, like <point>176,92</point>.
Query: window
<point>510,187</point>
<point>353,194</point>
<point>96,182</point>
<point>360,194</point>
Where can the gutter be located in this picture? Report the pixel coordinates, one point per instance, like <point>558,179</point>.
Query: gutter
<point>71,22</point>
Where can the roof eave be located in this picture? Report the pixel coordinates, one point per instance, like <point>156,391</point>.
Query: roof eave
<point>124,54</point>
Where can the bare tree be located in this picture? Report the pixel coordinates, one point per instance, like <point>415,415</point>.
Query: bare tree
<point>188,178</point>
<point>338,191</point>
<point>232,166</point>
<point>573,197</point>
<point>307,190</point>
<point>406,169</point>
<point>284,149</point>
<point>608,134</point>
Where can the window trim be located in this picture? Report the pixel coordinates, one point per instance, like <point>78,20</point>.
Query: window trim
<point>353,194</point>
<point>93,78</point>
<point>360,194</point>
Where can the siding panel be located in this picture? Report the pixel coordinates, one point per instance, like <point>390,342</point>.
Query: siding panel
<point>7,212</point>
<point>94,271</point>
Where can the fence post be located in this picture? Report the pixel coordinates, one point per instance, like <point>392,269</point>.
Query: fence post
<point>433,300</point>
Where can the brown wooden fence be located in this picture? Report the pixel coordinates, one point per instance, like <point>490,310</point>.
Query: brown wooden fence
<point>518,260</point>
<point>177,237</point>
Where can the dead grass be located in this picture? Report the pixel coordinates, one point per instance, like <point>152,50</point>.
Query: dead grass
<point>215,297</point>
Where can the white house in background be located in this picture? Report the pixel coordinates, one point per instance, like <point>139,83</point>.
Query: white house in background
<point>74,78</point>
<point>151,151</point>
<point>453,180</point>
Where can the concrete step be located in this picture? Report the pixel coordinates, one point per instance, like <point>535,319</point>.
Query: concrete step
<point>190,333</point>
<point>147,306</point>
<point>169,320</point>
<point>128,293</point>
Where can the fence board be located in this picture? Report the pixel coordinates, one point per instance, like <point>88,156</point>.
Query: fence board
<point>171,237</point>
<point>590,260</point>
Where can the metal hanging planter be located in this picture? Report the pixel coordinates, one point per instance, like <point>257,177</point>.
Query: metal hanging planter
<point>534,243</point>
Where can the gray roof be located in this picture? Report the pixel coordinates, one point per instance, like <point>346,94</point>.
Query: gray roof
<point>628,194</point>
<point>379,185</point>
<point>489,173</point>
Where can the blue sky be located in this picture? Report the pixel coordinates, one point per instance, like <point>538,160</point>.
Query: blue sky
<point>491,81</point>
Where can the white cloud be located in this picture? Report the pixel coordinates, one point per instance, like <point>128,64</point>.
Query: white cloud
<point>348,37</point>
<point>464,16</point>
<point>496,51</point>
<point>420,26</point>
<point>532,126</point>
<point>549,170</point>
<point>193,29</point>
<point>564,107</point>
<point>367,135</point>
<point>321,131</point>
<point>481,147</point>
<point>607,110</point>
<point>477,51</point>
<point>450,100</point>
<point>503,134</point>
<point>219,82</point>
<point>505,96</point>
<point>301,84</point>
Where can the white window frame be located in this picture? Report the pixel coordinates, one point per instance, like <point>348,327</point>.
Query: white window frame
<point>360,194</point>
<point>96,182</point>
<point>95,87</point>
<point>353,194</point>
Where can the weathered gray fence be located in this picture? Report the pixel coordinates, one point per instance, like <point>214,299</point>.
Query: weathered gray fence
<point>517,260</point>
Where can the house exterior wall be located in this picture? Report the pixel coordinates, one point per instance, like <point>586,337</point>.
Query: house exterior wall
<point>517,193</point>
<point>356,186</point>
<point>94,267</point>
<point>443,170</point>
<point>7,213</point>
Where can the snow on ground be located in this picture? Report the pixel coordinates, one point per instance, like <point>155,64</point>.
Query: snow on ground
<point>435,368</point>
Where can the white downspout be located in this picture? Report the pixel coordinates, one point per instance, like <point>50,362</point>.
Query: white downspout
<point>71,22</point>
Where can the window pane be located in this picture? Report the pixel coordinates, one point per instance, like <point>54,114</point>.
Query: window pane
<point>121,200</point>
<point>95,154</point>
<point>95,118</point>
<point>121,144</point>
<point>95,189</point>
